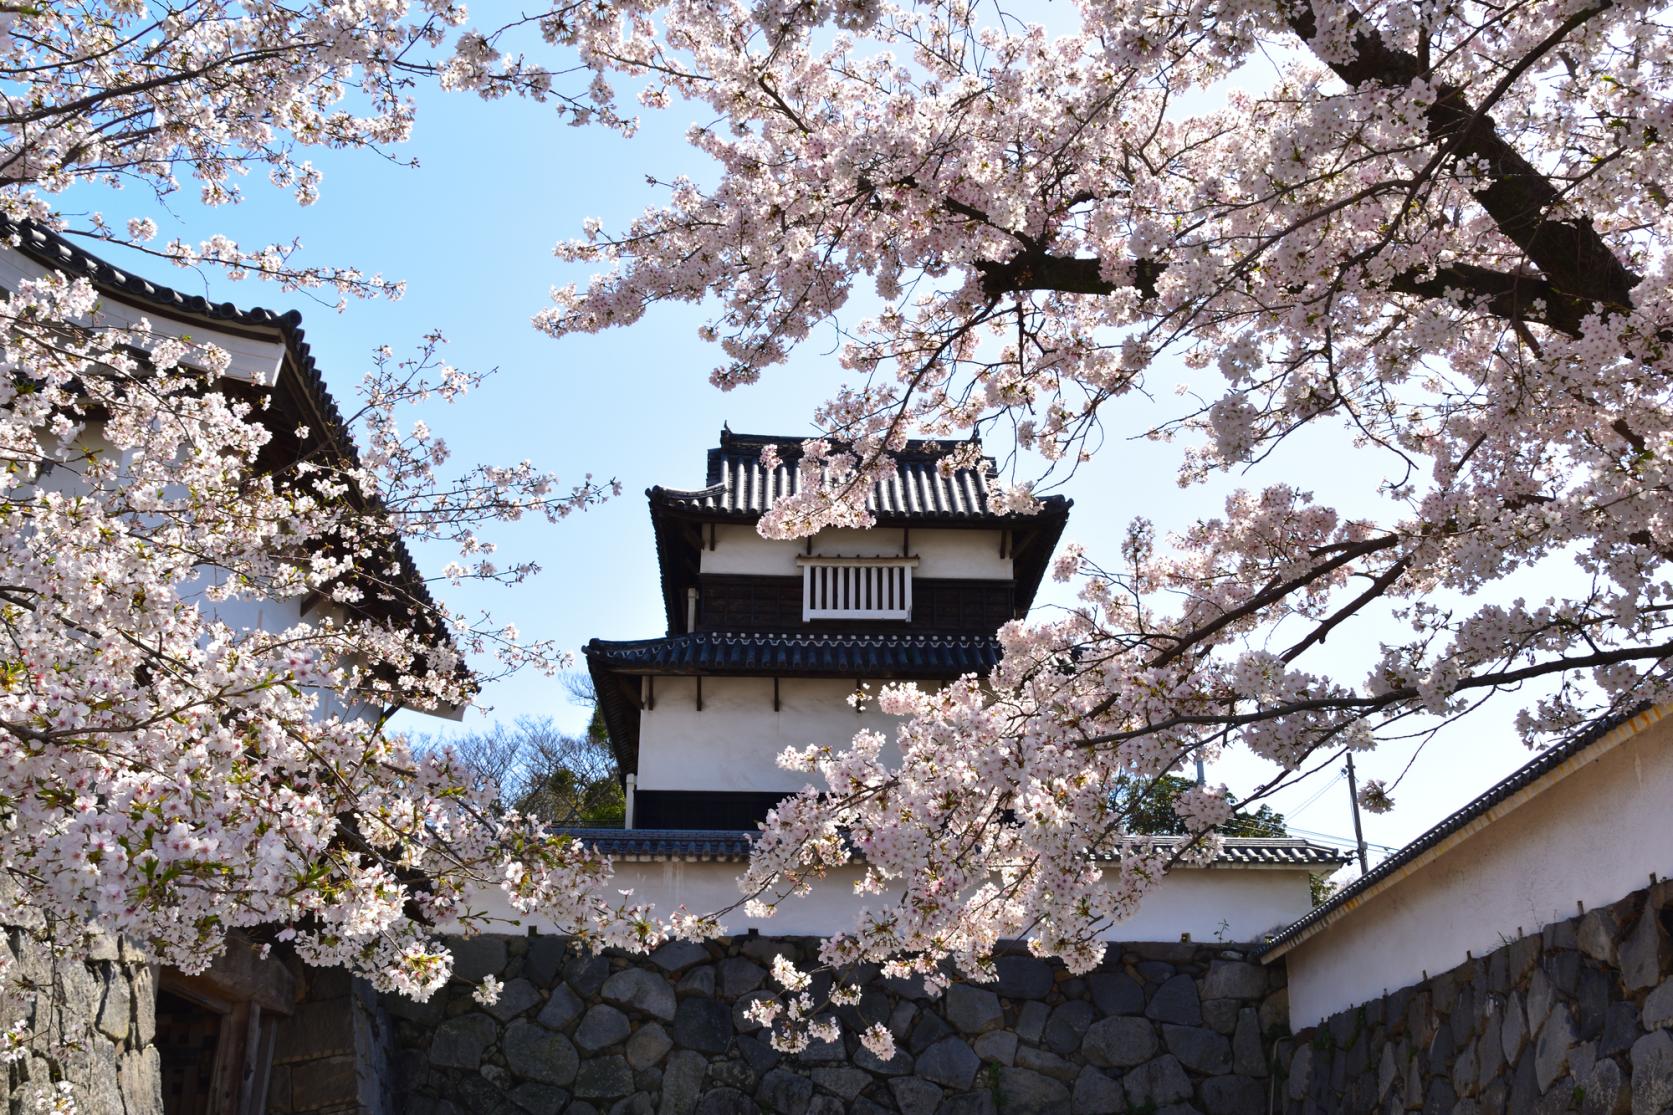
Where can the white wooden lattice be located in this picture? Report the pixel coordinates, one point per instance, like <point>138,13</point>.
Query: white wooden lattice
<point>856,587</point>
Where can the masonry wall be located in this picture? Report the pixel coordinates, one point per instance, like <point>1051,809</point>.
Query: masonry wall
<point>1162,1028</point>
<point>1577,1018</point>
<point>91,1023</point>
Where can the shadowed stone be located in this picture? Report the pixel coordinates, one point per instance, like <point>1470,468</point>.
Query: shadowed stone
<point>1202,1051</point>
<point>1606,1092</point>
<point>459,1042</point>
<point>974,1010</point>
<point>726,1101</point>
<point>642,990</point>
<point>604,1077</point>
<point>844,1082</point>
<point>562,1008</point>
<point>738,977</point>
<point>1233,1095</point>
<point>545,959</point>
<point>1119,1042</point>
<point>1157,1082</point>
<point>1234,979</point>
<point>539,1099</point>
<point>704,1025</point>
<point>1068,1025</point>
<point>516,996</point>
<point>1096,1094</point>
<point>1023,977</point>
<point>676,956</point>
<point>1047,1062</point>
<point>600,1027</point>
<point>1652,1073</point>
<point>1000,1047</point>
<point>1645,954</point>
<point>1658,1007</point>
<point>682,1082</point>
<point>1551,1051</point>
<point>914,1096</point>
<point>1116,993</point>
<point>535,1053</point>
<point>950,1062</point>
<point>1176,1001</point>
<point>1248,1053</point>
<point>1024,1092</point>
<point>785,1092</point>
<point>477,957</point>
<point>648,1045</point>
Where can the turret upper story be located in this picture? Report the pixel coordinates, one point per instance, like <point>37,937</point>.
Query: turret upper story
<point>937,560</point>
<point>768,640</point>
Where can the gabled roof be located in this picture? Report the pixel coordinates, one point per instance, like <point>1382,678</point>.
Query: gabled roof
<point>701,844</point>
<point>300,395</point>
<point>1549,767</point>
<point>739,489</point>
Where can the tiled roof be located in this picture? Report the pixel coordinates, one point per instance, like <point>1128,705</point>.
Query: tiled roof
<point>708,845</point>
<point>739,486</point>
<point>824,654</point>
<point>52,250</point>
<point>1526,775</point>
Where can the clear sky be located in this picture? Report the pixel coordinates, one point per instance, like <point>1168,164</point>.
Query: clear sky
<point>472,231</point>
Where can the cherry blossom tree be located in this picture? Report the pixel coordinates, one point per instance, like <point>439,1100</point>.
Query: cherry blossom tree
<point>1438,229</point>
<point>169,770</point>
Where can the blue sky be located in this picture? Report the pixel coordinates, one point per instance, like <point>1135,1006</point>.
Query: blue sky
<point>472,231</point>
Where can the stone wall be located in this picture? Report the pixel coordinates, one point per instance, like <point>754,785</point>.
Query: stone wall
<point>1576,1018</point>
<point>91,1021</point>
<point>1161,1028</point>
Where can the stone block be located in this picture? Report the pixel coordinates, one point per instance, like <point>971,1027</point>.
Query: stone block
<point>1646,953</point>
<point>1233,1095</point>
<point>1551,1050</point>
<point>1120,1042</point>
<point>648,1045</point>
<point>1046,1062</point>
<point>738,976</point>
<point>1176,1001</point>
<point>973,1010</point>
<point>699,981</point>
<point>642,990</point>
<point>586,973</point>
<point>603,1077</point>
<point>914,1096</point>
<point>1658,1007</point>
<point>1652,1073</point>
<point>562,1007</point>
<point>949,1061</point>
<point>1096,1093</point>
<point>602,1026</point>
<point>847,1083</point>
<point>475,957</point>
<point>999,1047</point>
<point>544,960</point>
<point>704,1025</point>
<point>726,1101</point>
<point>539,1099</point>
<point>1068,1025</point>
<point>116,1011</point>
<point>1116,993</point>
<point>1234,979</point>
<point>1157,1083</point>
<point>682,1082</point>
<point>1200,1050</point>
<point>1248,1051</point>
<point>1513,1032</point>
<point>1025,1092</point>
<point>675,957</point>
<point>535,1053</point>
<point>785,1092</point>
<point>1031,1020</point>
<point>1023,977</point>
<point>460,1042</point>
<point>325,1082</point>
<point>516,996</point>
<point>1605,1091</point>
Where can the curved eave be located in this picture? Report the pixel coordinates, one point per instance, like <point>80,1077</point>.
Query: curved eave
<point>302,387</point>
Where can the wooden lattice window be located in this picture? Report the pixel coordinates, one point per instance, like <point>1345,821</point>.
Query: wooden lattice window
<point>856,587</point>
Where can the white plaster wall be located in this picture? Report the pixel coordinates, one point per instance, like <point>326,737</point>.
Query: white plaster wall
<point>1215,904</point>
<point>972,554</point>
<point>1593,837</point>
<point>253,359</point>
<point>734,743</point>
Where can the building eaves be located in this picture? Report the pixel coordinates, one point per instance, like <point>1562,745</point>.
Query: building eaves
<point>700,844</point>
<point>802,654</point>
<point>1549,767</point>
<point>54,251</point>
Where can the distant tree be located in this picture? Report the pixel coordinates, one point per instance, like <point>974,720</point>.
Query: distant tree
<point>1148,805</point>
<point>539,769</point>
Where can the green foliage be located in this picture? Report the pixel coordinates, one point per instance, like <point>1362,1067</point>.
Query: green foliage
<point>1148,806</point>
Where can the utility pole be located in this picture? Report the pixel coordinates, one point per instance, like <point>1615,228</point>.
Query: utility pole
<point>1359,833</point>
<point>1202,775</point>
